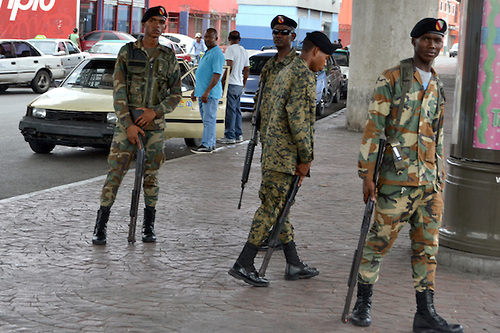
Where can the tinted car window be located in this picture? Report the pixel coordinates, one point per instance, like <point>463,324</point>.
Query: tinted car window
<point>7,50</point>
<point>109,36</point>
<point>24,50</point>
<point>71,48</point>
<point>257,62</point>
<point>94,36</point>
<point>94,74</point>
<point>341,58</point>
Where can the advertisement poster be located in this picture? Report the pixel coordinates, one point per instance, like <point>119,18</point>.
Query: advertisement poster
<point>23,19</point>
<point>487,115</point>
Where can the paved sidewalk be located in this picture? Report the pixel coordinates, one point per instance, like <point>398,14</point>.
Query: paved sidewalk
<point>54,280</point>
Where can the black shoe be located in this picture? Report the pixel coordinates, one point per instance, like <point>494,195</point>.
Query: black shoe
<point>361,312</point>
<point>302,271</point>
<point>426,319</point>
<point>250,277</point>
<point>99,236</point>
<point>203,150</point>
<point>148,230</point>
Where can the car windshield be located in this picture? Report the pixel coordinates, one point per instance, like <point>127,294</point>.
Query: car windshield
<point>46,47</point>
<point>341,58</point>
<point>257,62</point>
<point>93,74</point>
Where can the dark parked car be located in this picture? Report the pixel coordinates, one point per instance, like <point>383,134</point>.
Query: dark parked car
<point>327,90</point>
<point>342,58</point>
<point>88,40</point>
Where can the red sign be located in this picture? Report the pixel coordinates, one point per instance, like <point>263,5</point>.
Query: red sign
<point>27,18</point>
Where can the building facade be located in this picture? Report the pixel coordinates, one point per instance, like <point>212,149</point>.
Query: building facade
<point>254,18</point>
<point>449,10</point>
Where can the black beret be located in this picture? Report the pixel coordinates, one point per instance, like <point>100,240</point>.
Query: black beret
<point>429,24</point>
<point>154,11</point>
<point>282,19</point>
<point>321,40</point>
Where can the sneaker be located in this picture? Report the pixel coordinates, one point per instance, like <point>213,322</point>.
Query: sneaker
<point>239,139</point>
<point>226,140</point>
<point>202,150</point>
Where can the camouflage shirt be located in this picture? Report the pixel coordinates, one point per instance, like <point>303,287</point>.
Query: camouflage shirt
<point>289,136</point>
<point>269,73</point>
<point>420,131</point>
<point>142,81</point>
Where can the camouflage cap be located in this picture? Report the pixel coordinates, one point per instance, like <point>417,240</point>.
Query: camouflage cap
<point>154,11</point>
<point>282,19</point>
<point>429,24</point>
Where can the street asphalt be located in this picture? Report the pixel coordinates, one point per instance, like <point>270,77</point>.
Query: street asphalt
<point>54,280</point>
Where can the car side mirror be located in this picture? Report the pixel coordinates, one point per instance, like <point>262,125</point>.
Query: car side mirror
<point>60,53</point>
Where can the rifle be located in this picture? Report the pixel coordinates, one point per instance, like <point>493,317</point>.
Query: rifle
<point>356,260</point>
<point>134,206</point>
<point>274,238</point>
<point>254,140</point>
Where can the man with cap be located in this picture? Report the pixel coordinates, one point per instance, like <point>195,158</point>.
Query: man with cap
<point>146,78</point>
<point>410,187</point>
<point>288,151</point>
<point>198,46</point>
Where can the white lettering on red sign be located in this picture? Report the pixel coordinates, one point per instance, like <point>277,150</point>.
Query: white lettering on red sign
<point>16,5</point>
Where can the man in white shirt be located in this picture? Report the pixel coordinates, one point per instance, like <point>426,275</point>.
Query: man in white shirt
<point>198,46</point>
<point>237,60</point>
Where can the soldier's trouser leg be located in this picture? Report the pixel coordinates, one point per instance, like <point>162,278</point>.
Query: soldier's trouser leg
<point>272,193</point>
<point>396,205</point>
<point>120,156</point>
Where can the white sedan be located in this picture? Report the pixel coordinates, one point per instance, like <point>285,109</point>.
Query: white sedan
<point>80,112</point>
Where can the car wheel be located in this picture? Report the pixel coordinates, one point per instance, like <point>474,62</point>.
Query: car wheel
<point>41,82</point>
<point>193,142</point>
<point>328,97</point>
<point>336,97</point>
<point>40,147</point>
<point>4,87</point>
<point>320,108</point>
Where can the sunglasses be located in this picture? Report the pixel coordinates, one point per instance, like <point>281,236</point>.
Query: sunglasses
<point>284,32</point>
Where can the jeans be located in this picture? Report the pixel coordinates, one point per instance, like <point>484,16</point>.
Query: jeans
<point>208,112</point>
<point>233,112</point>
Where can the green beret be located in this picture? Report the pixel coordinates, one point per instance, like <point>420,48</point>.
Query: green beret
<point>321,40</point>
<point>282,19</point>
<point>429,24</point>
<point>154,11</point>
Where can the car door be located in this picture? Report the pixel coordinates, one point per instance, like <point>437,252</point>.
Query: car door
<point>74,56</point>
<point>8,63</point>
<point>27,60</point>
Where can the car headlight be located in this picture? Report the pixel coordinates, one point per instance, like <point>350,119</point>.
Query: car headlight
<point>111,118</point>
<point>39,113</point>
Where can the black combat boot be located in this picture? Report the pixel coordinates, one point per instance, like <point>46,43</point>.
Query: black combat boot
<point>427,320</point>
<point>296,269</point>
<point>148,230</point>
<point>243,268</point>
<point>361,312</point>
<point>99,237</point>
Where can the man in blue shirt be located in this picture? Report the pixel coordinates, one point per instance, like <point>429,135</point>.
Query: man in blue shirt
<point>209,90</point>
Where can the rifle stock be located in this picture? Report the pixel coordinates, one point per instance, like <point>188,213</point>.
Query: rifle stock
<point>254,140</point>
<point>365,225</point>
<point>134,206</point>
<point>274,239</point>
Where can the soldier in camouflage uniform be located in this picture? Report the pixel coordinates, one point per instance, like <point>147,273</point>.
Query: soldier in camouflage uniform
<point>288,151</point>
<point>410,192</point>
<point>146,77</point>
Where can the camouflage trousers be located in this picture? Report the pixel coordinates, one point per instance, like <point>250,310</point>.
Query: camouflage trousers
<point>121,155</point>
<point>422,207</point>
<point>273,190</point>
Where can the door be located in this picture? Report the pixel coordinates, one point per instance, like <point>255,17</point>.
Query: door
<point>8,63</point>
<point>28,61</point>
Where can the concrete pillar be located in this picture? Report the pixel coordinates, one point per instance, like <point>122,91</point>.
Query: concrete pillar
<point>380,38</point>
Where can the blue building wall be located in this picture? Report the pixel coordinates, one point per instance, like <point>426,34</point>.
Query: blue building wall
<point>253,23</point>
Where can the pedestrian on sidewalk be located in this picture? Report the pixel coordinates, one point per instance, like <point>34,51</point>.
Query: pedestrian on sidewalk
<point>198,47</point>
<point>154,93</point>
<point>208,90</point>
<point>239,66</point>
<point>75,38</point>
<point>409,190</point>
<point>288,151</point>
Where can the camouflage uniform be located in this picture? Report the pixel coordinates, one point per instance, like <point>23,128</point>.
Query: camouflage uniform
<point>413,195</point>
<point>141,81</point>
<point>289,141</point>
<point>269,73</point>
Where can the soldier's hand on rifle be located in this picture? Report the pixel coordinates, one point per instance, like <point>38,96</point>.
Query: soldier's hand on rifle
<point>302,170</point>
<point>146,117</point>
<point>368,190</point>
<point>133,134</point>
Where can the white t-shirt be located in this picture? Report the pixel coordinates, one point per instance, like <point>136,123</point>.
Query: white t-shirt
<point>239,56</point>
<point>426,77</point>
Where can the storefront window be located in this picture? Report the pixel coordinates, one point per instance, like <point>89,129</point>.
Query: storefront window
<point>88,22</point>
<point>108,20</point>
<point>136,20</point>
<point>123,18</point>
